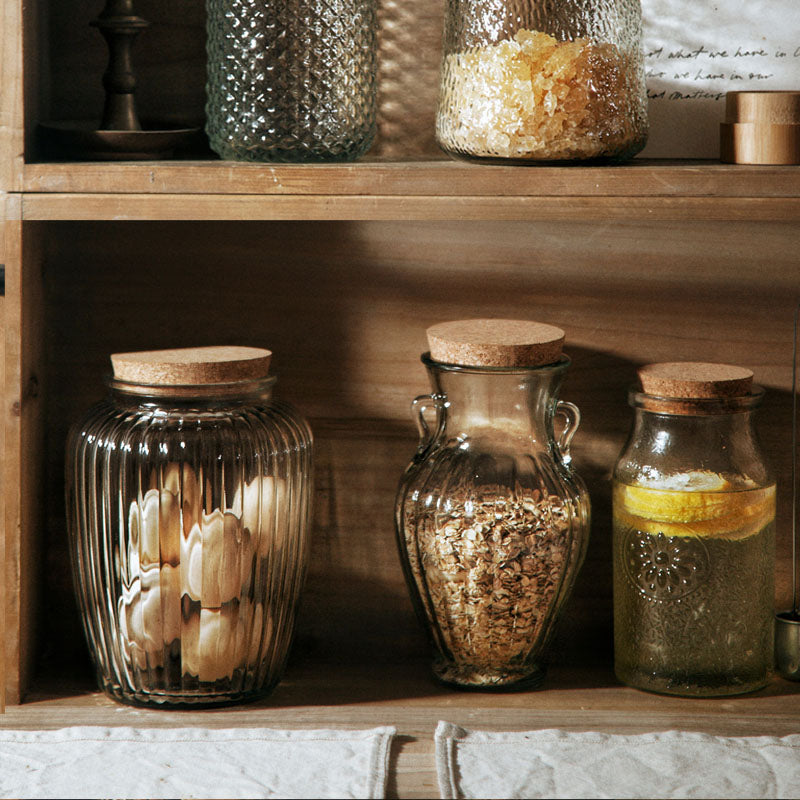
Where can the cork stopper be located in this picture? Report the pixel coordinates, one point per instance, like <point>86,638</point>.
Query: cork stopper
<point>495,343</point>
<point>770,108</point>
<point>192,366</point>
<point>693,380</point>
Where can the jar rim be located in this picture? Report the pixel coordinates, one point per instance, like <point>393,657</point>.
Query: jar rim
<point>205,391</point>
<point>562,364</point>
<point>695,406</point>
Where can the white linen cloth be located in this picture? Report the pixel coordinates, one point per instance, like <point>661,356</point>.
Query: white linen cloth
<point>95,762</point>
<point>556,763</point>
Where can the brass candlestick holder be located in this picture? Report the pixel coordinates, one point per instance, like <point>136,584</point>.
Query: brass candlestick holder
<point>120,134</point>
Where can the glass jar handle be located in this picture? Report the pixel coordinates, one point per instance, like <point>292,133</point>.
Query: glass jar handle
<point>572,419</point>
<point>419,405</point>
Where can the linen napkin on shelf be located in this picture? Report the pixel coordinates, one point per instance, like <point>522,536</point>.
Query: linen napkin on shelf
<point>95,762</point>
<point>555,763</point>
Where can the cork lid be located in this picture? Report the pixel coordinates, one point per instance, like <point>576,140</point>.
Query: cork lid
<point>192,366</point>
<point>696,380</point>
<point>765,107</point>
<point>495,343</point>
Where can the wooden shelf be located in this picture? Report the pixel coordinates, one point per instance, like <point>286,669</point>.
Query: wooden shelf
<point>345,306</point>
<point>413,190</point>
<point>318,695</point>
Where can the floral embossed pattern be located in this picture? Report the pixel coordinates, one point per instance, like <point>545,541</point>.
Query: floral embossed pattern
<point>665,567</point>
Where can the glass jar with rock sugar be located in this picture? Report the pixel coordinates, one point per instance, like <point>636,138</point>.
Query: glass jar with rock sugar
<point>526,81</point>
<point>188,495</point>
<point>492,521</point>
<point>694,535</point>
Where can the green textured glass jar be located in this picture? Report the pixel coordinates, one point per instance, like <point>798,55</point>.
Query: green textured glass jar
<point>527,81</point>
<point>291,80</point>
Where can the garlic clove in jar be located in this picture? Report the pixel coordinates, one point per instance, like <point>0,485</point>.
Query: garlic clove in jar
<point>207,646</point>
<point>253,633</point>
<point>149,549</point>
<point>212,559</point>
<point>150,612</point>
<point>171,602</point>
<point>260,504</point>
<point>181,481</point>
<point>154,529</point>
<point>169,521</point>
<point>192,563</point>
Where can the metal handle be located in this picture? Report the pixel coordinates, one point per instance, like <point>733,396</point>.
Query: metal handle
<point>572,419</point>
<point>421,404</point>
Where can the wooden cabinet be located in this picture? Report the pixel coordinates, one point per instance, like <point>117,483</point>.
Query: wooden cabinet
<point>339,269</point>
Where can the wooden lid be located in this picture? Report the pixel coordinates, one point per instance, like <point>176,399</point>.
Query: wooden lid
<point>695,380</point>
<point>761,128</point>
<point>759,143</point>
<point>192,366</point>
<point>781,108</point>
<point>495,343</point>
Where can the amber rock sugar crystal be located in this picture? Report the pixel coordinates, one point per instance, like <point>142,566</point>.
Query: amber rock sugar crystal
<point>535,98</point>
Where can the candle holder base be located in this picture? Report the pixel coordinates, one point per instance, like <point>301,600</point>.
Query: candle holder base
<point>80,139</point>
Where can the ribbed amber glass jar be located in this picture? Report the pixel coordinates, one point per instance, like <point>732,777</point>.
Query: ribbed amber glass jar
<point>188,509</point>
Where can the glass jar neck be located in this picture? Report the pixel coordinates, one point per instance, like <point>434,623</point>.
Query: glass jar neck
<point>517,401</point>
<point>714,436</point>
<point>217,395</point>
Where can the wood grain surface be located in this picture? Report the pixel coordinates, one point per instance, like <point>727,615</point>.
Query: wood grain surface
<point>344,307</point>
<point>314,695</point>
<point>639,263</point>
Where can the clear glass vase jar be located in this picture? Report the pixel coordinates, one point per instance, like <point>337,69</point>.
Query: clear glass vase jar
<point>188,496</point>
<point>694,536</point>
<point>492,521</point>
<point>535,81</point>
<point>291,81</point>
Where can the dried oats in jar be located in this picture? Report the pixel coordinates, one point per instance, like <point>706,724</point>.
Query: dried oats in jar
<point>539,81</point>
<point>188,494</point>
<point>492,521</point>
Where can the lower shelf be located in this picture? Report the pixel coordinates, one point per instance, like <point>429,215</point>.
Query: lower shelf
<point>318,695</point>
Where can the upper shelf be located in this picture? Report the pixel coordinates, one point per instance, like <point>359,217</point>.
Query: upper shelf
<point>415,190</point>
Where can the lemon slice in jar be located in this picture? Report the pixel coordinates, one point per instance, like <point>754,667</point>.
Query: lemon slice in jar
<point>699,503</point>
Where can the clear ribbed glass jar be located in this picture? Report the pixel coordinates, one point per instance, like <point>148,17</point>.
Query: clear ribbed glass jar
<point>188,496</point>
<point>492,521</point>
<point>291,80</point>
<point>694,536</point>
<point>536,81</point>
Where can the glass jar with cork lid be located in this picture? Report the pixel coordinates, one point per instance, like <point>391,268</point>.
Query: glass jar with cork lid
<point>527,81</point>
<point>492,521</point>
<point>694,535</point>
<point>188,498</point>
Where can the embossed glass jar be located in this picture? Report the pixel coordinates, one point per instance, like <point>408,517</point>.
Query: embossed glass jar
<point>291,80</point>
<point>492,521</point>
<point>527,81</point>
<point>188,495</point>
<point>694,536</point>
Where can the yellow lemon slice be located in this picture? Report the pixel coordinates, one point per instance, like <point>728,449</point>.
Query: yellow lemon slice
<point>709,506</point>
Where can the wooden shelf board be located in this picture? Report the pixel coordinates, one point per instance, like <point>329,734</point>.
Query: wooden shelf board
<point>362,696</point>
<point>432,178</point>
<point>118,207</point>
<point>409,190</point>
